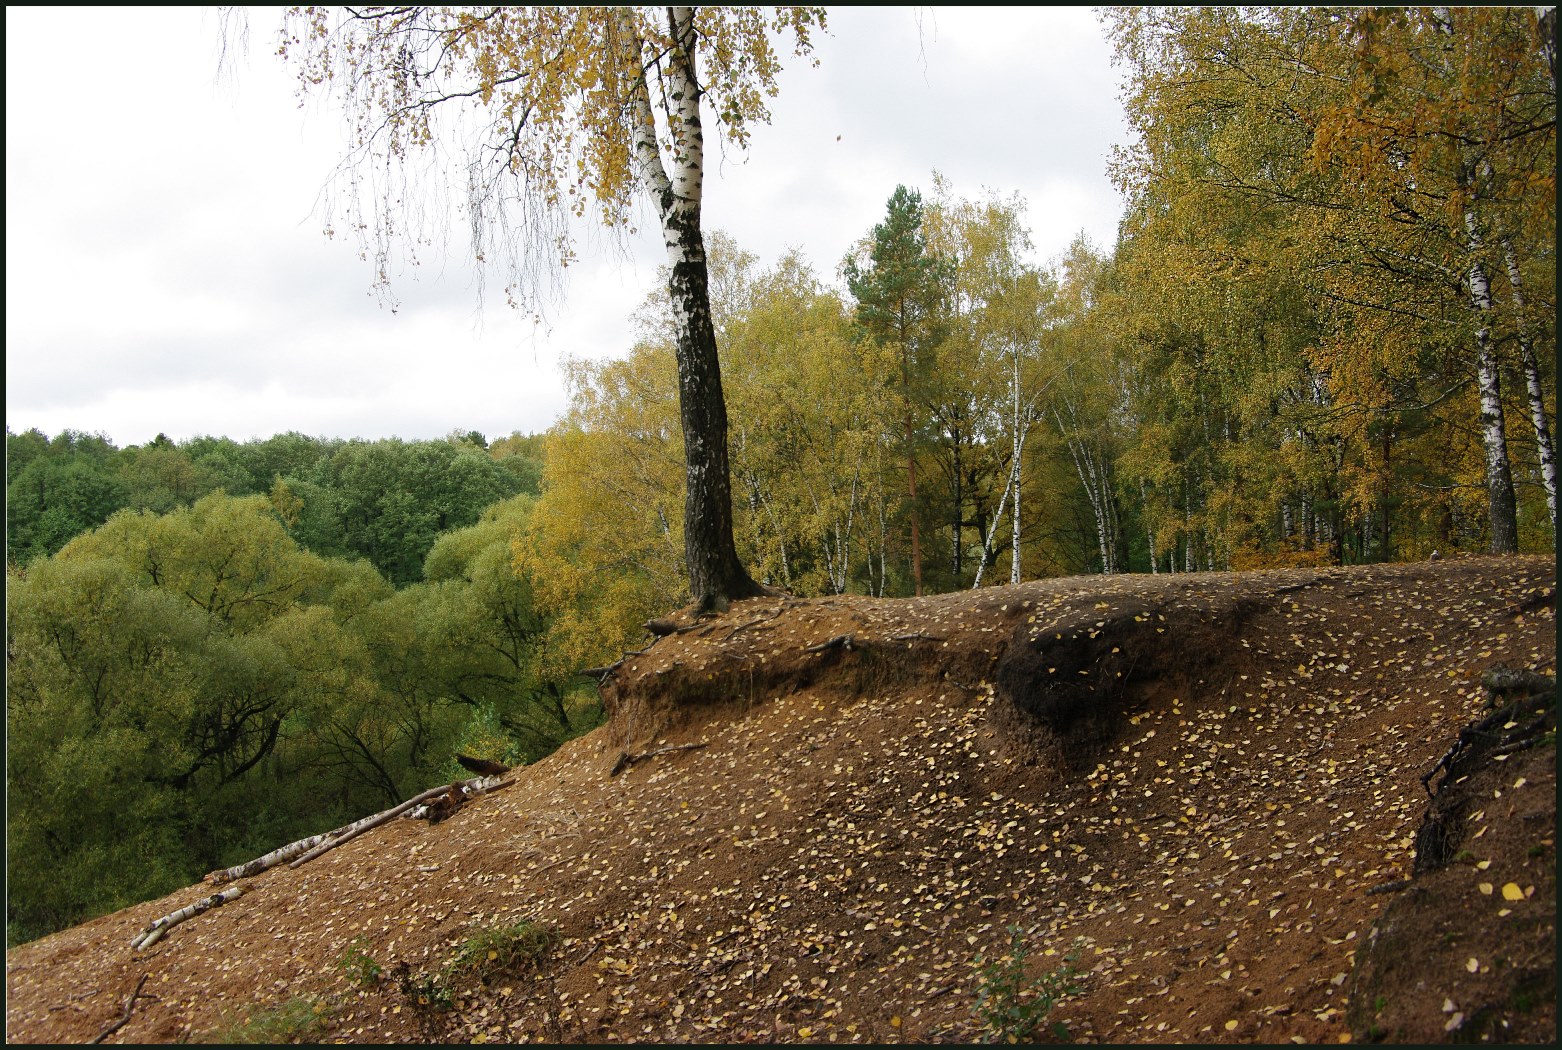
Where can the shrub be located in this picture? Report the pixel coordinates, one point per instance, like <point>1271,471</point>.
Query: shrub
<point>1011,1006</point>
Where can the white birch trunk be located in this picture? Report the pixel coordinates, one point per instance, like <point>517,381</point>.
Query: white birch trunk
<point>1011,487</point>
<point>1149,527</point>
<point>1494,438</point>
<point>1537,396</point>
<point>1017,446</point>
<point>156,929</point>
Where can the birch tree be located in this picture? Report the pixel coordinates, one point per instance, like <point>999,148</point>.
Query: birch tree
<point>561,114</point>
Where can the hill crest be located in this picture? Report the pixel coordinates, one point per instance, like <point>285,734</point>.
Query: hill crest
<point>1203,781</point>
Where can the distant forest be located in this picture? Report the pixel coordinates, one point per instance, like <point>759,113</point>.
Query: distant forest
<point>1324,335</point>
<point>383,501</point>
<point>214,648</point>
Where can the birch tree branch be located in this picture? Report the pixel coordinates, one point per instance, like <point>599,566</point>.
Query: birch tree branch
<point>156,929</point>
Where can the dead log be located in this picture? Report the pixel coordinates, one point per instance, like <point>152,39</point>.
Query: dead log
<point>157,928</point>
<point>477,786</point>
<point>303,846</point>
<point>272,859</point>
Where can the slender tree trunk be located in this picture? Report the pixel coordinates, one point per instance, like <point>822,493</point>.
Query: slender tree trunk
<point>1149,526</point>
<point>715,574</point>
<point>1502,506</point>
<point>957,561</point>
<point>911,493</point>
<point>1017,445</point>
<point>1537,396</point>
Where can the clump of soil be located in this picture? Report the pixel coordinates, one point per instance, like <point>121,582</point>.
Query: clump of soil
<point>830,809</point>
<point>1485,849</point>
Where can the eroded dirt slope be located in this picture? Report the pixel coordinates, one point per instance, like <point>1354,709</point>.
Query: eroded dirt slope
<point>1203,782</point>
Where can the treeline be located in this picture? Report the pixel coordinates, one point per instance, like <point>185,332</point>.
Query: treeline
<point>192,688</point>
<point>384,500</point>
<point>1325,335</point>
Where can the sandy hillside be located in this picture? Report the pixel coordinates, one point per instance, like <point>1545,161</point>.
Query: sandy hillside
<point>1209,786</point>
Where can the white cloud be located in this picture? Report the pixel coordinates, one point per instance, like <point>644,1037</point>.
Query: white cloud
<point>166,269</point>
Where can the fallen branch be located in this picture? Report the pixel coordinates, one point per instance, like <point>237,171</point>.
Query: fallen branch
<point>917,636</point>
<point>840,641</point>
<point>353,830</point>
<point>456,796</point>
<point>625,759</point>
<point>130,1004</point>
<point>270,860</point>
<point>293,849</point>
<point>155,930</point>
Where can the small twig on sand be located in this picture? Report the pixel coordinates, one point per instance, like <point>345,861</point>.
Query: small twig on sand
<point>625,759</point>
<point>130,1004</point>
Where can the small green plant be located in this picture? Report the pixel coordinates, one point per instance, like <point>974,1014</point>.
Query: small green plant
<point>1014,1007</point>
<point>359,966</point>
<point>297,1020</point>
<point>497,949</point>
<point>428,993</point>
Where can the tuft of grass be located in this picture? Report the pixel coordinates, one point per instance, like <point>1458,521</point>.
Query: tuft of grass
<point>498,949</point>
<point>299,1019</point>
<point>1013,1007</point>
<point>488,951</point>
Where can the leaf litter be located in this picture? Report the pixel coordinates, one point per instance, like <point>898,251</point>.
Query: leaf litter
<point>1203,809</point>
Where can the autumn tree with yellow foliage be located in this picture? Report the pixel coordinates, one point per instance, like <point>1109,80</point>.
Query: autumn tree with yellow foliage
<point>567,113</point>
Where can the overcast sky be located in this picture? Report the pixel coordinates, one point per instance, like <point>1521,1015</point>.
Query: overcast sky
<point>166,269</point>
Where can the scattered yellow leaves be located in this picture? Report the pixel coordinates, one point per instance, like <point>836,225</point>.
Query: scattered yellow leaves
<point>1511,892</point>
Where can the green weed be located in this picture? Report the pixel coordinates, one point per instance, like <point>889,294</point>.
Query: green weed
<point>1013,1007</point>
<point>498,949</point>
<point>359,966</point>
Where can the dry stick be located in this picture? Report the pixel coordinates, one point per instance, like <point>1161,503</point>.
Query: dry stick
<point>840,641</point>
<point>155,930</point>
<point>625,759</point>
<point>130,1004</point>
